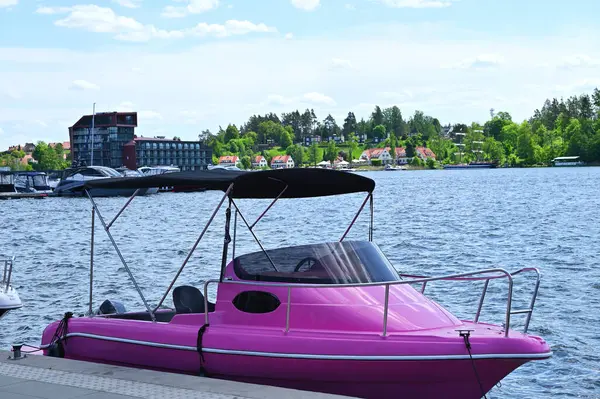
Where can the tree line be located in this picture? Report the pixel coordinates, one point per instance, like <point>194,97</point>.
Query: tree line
<point>561,127</point>
<point>47,158</point>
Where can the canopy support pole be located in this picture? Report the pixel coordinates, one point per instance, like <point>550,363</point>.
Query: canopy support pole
<point>269,207</point>
<point>90,312</point>
<point>114,243</point>
<point>356,217</point>
<point>124,206</point>
<point>254,235</point>
<point>234,232</point>
<point>212,217</point>
<point>371,223</point>
<point>226,239</point>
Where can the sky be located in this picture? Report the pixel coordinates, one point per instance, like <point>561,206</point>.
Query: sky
<point>190,65</point>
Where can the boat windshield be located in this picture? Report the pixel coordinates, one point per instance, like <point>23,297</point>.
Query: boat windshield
<point>347,262</point>
<point>39,180</point>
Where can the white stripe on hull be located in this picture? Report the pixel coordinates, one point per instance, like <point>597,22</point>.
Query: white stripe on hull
<point>530,356</point>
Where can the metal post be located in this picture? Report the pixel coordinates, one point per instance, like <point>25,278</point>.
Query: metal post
<point>385,309</point>
<point>90,312</point>
<point>234,232</point>
<point>269,207</point>
<point>114,243</point>
<point>123,208</point>
<point>532,303</point>
<point>485,287</point>
<point>212,217</point>
<point>93,120</point>
<point>288,308</point>
<point>356,217</point>
<point>254,235</point>
<point>371,223</point>
<point>226,239</point>
<point>508,304</point>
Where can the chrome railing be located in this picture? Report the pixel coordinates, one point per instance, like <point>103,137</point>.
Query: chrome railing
<point>482,275</point>
<point>6,275</point>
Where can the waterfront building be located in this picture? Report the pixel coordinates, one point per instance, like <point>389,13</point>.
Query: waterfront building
<point>310,140</point>
<point>259,162</point>
<point>229,160</point>
<point>282,162</point>
<point>424,153</point>
<point>383,154</point>
<point>112,130</point>
<point>155,151</point>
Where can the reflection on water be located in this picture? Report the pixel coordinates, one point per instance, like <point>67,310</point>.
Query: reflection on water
<point>429,222</point>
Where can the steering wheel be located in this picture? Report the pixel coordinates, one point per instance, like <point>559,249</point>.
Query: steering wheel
<point>307,260</point>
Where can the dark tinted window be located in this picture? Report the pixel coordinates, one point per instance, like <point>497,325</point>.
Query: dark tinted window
<point>256,302</point>
<point>348,262</point>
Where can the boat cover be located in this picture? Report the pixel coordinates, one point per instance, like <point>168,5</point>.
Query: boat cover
<point>300,182</point>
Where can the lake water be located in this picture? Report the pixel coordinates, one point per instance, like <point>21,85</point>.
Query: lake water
<point>427,222</point>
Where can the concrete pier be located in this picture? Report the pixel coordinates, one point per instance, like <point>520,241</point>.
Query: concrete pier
<point>46,377</point>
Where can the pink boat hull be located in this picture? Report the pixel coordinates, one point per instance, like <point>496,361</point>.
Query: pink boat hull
<point>328,348</point>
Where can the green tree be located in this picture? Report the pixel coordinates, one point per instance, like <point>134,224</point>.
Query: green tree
<point>377,116</point>
<point>379,132</point>
<point>349,125</point>
<point>231,133</point>
<point>525,149</point>
<point>246,162</point>
<point>315,154</point>
<point>286,139</point>
<point>332,151</point>
<point>298,154</point>
<point>353,146</point>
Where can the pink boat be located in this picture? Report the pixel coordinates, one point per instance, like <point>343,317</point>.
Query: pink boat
<point>331,317</point>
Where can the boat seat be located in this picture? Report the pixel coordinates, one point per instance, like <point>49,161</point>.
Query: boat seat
<point>188,299</point>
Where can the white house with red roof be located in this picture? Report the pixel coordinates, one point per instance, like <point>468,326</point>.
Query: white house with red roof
<point>229,160</point>
<point>384,154</point>
<point>259,162</point>
<point>282,162</point>
<point>424,153</point>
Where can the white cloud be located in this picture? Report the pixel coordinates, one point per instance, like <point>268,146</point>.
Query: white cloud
<point>289,36</point>
<point>104,20</point>
<point>173,78</point>
<point>349,6</point>
<point>230,28</point>
<point>53,10</point>
<point>83,85</point>
<point>174,12</point>
<point>579,61</point>
<point>191,7</point>
<point>8,3</point>
<point>319,98</point>
<point>149,115</point>
<point>306,5</point>
<point>341,63</point>
<point>125,106</point>
<point>479,62</point>
<point>1,131</point>
<point>417,3</point>
<point>128,3</point>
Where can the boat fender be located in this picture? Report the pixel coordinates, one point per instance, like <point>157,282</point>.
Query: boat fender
<point>201,331</point>
<point>56,347</point>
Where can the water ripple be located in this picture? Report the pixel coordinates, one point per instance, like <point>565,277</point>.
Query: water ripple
<point>429,222</point>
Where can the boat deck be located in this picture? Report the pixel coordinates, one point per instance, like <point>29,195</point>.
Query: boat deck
<point>46,377</point>
<point>5,196</point>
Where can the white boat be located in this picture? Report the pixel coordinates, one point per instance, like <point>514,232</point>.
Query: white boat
<point>9,299</point>
<point>75,178</point>
<point>159,170</point>
<point>390,168</point>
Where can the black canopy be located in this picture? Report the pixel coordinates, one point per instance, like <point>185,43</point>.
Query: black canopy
<point>302,183</point>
